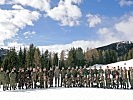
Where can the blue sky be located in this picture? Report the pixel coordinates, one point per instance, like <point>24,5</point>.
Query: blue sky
<point>61,24</point>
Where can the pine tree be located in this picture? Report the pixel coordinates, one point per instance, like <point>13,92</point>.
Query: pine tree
<point>20,57</point>
<point>55,59</point>
<point>80,61</point>
<point>11,60</point>
<point>62,59</point>
<point>71,60</point>
<point>37,57</point>
<point>46,60</point>
<point>42,61</point>
<point>24,57</point>
<point>30,56</point>
<point>5,63</point>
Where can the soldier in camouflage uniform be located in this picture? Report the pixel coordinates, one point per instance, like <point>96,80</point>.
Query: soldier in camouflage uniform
<point>51,75</point>
<point>114,73</point>
<point>116,82</point>
<point>90,73</point>
<point>95,77</point>
<point>34,78</point>
<point>40,78</point>
<point>63,73</point>
<point>95,81</point>
<point>85,71</point>
<point>131,78</point>
<point>57,76</point>
<point>21,77</point>
<point>80,71</point>
<point>129,72</point>
<point>89,81</point>
<point>84,82</point>
<point>108,82</point>
<point>73,81</point>
<point>65,81</point>
<point>12,77</point>
<point>28,80</point>
<point>101,77</point>
<point>125,78</point>
<point>2,77</point>
<point>45,77</point>
<point>107,77</point>
<point>120,75</point>
<point>100,71</point>
<point>74,76</point>
<point>78,79</point>
<point>7,79</point>
<point>101,81</point>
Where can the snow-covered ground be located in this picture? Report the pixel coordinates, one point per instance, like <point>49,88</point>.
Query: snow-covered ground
<point>127,64</point>
<point>68,94</point>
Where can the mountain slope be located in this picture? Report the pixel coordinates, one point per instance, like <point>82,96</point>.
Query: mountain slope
<point>120,47</point>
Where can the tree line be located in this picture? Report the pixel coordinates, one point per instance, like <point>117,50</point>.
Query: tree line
<point>33,57</point>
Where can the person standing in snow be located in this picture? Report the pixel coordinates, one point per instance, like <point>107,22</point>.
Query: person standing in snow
<point>125,78</point>
<point>12,76</point>
<point>131,78</point>
<point>107,76</point>
<point>2,78</point>
<point>34,78</point>
<point>45,77</point>
<point>57,76</point>
<point>50,76</point>
<point>120,75</point>
<point>63,73</point>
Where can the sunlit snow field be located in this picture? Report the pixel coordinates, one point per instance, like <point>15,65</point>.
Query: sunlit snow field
<point>68,94</point>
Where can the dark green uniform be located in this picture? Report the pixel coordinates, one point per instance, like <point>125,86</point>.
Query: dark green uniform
<point>7,80</point>
<point>63,73</point>
<point>40,79</point>
<point>131,78</point>
<point>34,78</point>
<point>57,76</point>
<point>51,75</point>
<point>125,79</point>
<point>101,81</point>
<point>12,80</point>
<point>45,78</point>
<point>2,77</point>
<point>107,77</point>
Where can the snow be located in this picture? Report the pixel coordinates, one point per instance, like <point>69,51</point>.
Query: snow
<point>68,94</point>
<point>127,64</point>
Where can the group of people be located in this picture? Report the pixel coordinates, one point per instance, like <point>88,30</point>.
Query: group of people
<point>32,78</point>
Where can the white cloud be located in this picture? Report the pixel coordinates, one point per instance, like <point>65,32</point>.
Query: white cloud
<point>93,20</point>
<point>2,1</point>
<point>126,2</point>
<point>29,34</point>
<point>108,35</point>
<point>67,12</point>
<point>11,21</point>
<point>15,44</point>
<point>125,27</point>
<point>119,31</point>
<point>81,43</point>
<point>43,5</point>
<point>18,7</point>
